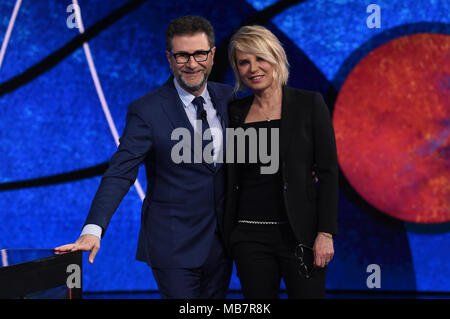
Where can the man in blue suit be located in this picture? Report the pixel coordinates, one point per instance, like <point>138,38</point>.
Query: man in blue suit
<point>181,233</point>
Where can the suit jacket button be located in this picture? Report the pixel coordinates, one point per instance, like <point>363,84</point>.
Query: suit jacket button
<point>285,186</point>
<point>236,187</point>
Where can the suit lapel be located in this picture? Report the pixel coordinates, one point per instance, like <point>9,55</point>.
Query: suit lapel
<point>240,111</point>
<point>174,109</point>
<point>288,116</point>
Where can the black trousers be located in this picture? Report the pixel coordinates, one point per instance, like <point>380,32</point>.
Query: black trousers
<point>266,253</point>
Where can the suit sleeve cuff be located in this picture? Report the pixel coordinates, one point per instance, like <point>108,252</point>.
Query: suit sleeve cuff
<point>91,229</point>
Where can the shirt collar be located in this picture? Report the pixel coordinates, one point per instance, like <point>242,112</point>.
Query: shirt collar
<point>187,97</point>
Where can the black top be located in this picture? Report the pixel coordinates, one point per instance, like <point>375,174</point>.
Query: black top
<point>260,195</point>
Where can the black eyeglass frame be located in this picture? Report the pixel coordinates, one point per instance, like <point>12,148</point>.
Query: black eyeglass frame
<point>189,55</point>
<point>304,270</point>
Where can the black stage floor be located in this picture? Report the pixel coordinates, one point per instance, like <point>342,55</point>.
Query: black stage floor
<point>283,295</point>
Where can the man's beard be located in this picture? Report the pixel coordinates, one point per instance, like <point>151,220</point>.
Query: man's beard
<point>189,87</point>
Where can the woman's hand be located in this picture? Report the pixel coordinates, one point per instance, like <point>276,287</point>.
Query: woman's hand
<point>323,249</point>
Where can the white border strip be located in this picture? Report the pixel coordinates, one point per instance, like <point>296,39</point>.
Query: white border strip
<point>99,89</point>
<point>4,257</point>
<point>12,21</point>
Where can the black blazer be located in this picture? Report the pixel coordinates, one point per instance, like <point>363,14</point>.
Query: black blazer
<point>307,142</point>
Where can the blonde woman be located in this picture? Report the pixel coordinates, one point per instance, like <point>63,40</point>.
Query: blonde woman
<point>280,225</point>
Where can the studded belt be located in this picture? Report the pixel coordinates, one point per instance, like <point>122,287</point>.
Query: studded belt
<point>255,222</point>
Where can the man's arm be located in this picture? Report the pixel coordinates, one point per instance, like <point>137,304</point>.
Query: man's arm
<point>134,146</point>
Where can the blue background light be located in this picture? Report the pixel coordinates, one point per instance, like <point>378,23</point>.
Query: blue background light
<point>54,124</point>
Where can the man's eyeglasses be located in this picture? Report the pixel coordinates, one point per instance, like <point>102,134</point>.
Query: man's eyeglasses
<point>304,270</point>
<point>183,57</point>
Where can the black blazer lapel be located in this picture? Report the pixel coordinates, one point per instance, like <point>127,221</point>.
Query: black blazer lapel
<point>239,110</point>
<point>288,119</point>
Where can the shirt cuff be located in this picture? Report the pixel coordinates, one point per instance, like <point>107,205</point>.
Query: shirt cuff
<point>91,229</point>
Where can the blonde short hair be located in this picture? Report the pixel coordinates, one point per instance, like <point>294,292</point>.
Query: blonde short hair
<point>259,41</point>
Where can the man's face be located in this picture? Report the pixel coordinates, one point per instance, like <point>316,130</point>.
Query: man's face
<point>192,75</point>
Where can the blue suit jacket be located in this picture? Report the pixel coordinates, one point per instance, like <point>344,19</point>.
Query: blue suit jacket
<point>184,202</point>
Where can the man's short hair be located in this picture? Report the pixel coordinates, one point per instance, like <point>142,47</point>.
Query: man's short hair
<point>188,25</point>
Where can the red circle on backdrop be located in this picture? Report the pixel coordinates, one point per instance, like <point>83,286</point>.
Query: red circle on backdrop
<point>392,124</point>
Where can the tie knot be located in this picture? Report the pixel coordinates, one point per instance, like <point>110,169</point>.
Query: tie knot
<point>198,101</point>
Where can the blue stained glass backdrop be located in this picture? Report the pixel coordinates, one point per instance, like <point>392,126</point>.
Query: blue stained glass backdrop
<point>54,124</point>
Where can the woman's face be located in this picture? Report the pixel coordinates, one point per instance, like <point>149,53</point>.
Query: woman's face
<point>254,72</point>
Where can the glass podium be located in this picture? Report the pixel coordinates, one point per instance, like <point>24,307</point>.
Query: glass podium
<point>40,274</point>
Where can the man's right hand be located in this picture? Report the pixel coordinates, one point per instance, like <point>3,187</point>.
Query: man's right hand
<point>85,243</point>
